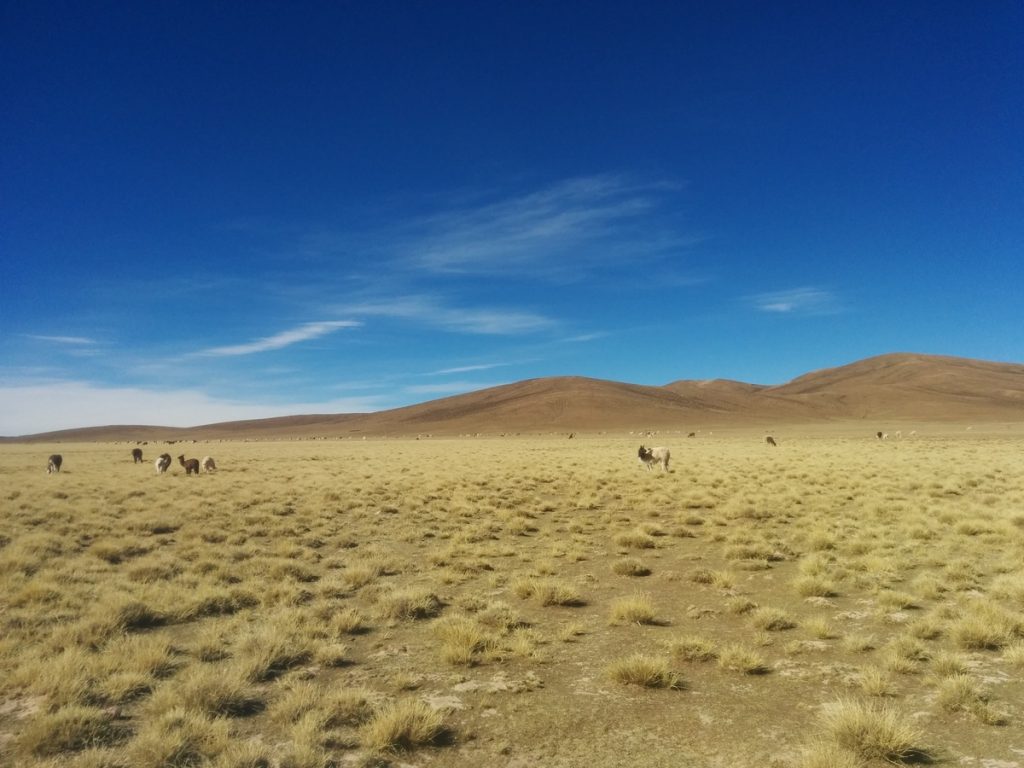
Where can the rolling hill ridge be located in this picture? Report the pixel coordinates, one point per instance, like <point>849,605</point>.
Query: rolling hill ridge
<point>900,386</point>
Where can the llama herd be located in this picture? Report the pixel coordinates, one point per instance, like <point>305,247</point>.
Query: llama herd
<point>162,463</point>
<point>653,457</point>
<point>648,457</point>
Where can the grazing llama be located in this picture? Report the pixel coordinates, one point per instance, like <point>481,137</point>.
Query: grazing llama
<point>136,455</point>
<point>771,441</point>
<point>209,465</point>
<point>649,457</point>
<point>191,465</point>
<point>53,463</point>
<point>162,462</point>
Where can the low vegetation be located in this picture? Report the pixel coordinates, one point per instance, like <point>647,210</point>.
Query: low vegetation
<point>836,601</point>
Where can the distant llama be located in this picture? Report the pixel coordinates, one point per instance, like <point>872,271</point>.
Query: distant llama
<point>53,463</point>
<point>650,457</point>
<point>162,463</point>
<point>209,465</point>
<point>771,441</point>
<point>136,455</point>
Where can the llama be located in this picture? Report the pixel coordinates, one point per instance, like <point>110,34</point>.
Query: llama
<point>209,465</point>
<point>692,434</point>
<point>899,434</point>
<point>162,463</point>
<point>881,435</point>
<point>649,457</point>
<point>191,465</point>
<point>136,455</point>
<point>53,463</point>
<point>771,441</point>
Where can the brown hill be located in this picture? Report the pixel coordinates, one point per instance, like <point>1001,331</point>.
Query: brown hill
<point>908,387</point>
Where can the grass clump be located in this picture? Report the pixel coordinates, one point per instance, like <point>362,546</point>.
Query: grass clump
<point>986,627</point>
<point>462,640</point>
<point>1014,655</point>
<point>211,691</point>
<point>814,586</point>
<point>875,682</point>
<point>739,658</point>
<point>178,738</point>
<point>269,650</point>
<point>549,592</point>
<point>871,731</point>
<point>630,566</point>
<point>635,539</point>
<point>636,609</point>
<point>825,755</point>
<point>692,648</point>
<point>69,729</point>
<point>646,671</point>
<point>961,693</point>
<point>409,604</point>
<point>402,725</point>
<point>771,619</point>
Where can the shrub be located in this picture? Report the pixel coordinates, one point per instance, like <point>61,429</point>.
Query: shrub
<point>637,609</point>
<point>646,671</point>
<point>630,566</point>
<point>772,619</point>
<point>871,731</point>
<point>739,658</point>
<point>692,648</point>
<point>68,729</point>
<point>178,738</point>
<point>406,604</point>
<point>462,640</point>
<point>402,725</point>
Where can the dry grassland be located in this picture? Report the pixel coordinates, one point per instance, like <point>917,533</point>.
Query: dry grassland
<point>517,602</point>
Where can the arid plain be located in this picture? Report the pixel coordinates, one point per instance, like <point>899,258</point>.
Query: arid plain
<point>533,600</point>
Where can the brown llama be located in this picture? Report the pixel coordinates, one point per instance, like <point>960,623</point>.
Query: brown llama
<point>191,465</point>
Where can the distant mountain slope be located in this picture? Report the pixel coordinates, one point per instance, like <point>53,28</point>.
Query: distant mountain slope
<point>895,386</point>
<point>914,386</point>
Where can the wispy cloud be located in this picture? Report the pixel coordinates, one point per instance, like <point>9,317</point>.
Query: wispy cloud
<point>584,337</point>
<point>447,388</point>
<point>431,312</point>
<point>31,408</point>
<point>468,369</point>
<point>280,340</point>
<point>807,301</point>
<point>79,341</point>
<point>555,230</point>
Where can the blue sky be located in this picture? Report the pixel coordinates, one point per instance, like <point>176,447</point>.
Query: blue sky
<point>214,211</point>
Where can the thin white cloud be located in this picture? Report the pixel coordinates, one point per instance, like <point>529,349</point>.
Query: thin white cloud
<point>464,320</point>
<point>807,300</point>
<point>555,230</point>
<point>70,340</point>
<point>585,337</point>
<point>280,340</point>
<point>447,388</point>
<point>468,369</point>
<point>30,408</point>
